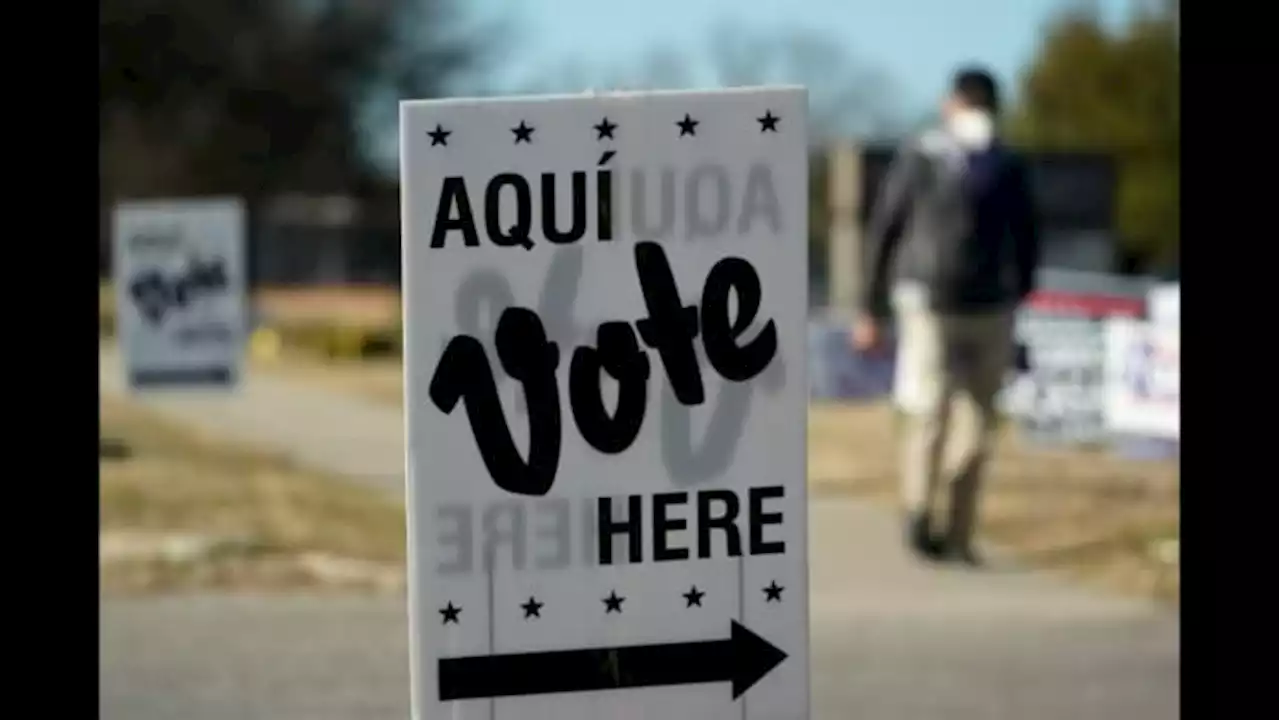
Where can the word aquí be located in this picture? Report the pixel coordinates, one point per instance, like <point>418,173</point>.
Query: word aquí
<point>711,202</point>
<point>530,358</point>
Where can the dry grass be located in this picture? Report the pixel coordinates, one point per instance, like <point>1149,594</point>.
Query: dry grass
<point>379,380</point>
<point>1102,518</point>
<point>106,309</point>
<point>273,522</point>
<point>364,305</point>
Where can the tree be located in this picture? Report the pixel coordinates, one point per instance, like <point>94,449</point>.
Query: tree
<point>259,96</point>
<point>1093,90</point>
<point>847,96</point>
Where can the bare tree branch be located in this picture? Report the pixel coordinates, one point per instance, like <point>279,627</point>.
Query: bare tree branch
<point>847,96</point>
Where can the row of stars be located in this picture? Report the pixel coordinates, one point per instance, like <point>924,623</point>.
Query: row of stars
<point>612,604</point>
<point>604,129</point>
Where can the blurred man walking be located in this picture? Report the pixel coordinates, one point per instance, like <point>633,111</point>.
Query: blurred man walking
<point>954,251</point>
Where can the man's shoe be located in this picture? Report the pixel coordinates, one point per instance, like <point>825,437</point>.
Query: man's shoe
<point>920,538</point>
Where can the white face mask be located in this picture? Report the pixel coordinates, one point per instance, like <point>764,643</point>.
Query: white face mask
<point>974,129</point>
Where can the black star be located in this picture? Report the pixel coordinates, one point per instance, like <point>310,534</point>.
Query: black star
<point>532,609</point>
<point>613,603</point>
<point>693,597</point>
<point>523,132</point>
<point>605,129</point>
<point>450,614</point>
<point>768,123</point>
<point>439,136</point>
<point>773,593</point>
<point>688,126</point>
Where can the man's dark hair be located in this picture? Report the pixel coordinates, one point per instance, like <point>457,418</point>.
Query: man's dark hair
<point>977,88</point>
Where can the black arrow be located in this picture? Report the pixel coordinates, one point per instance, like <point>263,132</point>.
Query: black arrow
<point>742,660</point>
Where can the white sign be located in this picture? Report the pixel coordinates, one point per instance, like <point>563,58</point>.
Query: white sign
<point>180,292</point>
<point>1144,376</point>
<point>1059,398</point>
<point>1164,304</point>
<point>605,300</point>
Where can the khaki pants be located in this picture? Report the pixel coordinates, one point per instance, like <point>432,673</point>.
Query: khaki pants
<point>950,370</point>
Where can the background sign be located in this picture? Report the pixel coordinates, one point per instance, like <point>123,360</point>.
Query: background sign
<point>838,372</point>
<point>605,302</point>
<point>1164,304</point>
<point>180,292</point>
<point>1058,398</point>
<point>1144,379</point>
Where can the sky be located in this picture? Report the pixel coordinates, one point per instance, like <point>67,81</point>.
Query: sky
<point>914,44</point>
<point>917,43</point>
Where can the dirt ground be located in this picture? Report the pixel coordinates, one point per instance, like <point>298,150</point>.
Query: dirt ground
<point>179,511</point>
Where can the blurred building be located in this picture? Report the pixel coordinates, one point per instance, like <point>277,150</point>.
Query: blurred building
<point>303,240</point>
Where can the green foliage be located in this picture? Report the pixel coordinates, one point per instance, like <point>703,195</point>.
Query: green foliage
<point>1090,89</point>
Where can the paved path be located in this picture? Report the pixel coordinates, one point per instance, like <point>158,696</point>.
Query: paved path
<point>891,640</point>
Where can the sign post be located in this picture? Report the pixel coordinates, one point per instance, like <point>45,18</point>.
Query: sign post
<point>181,309</point>
<point>605,300</point>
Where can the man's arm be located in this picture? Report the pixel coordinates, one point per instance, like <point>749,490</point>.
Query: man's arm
<point>884,230</point>
<point>1025,230</point>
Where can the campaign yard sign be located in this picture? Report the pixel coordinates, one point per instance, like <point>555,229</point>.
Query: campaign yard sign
<point>1058,397</point>
<point>1144,379</point>
<point>179,278</point>
<point>605,301</point>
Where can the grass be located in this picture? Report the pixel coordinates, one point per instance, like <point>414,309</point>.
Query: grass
<point>106,309</point>
<point>262,523</point>
<point>1106,520</point>
<point>379,380</point>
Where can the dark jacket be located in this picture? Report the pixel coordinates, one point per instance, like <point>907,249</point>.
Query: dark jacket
<point>959,223</point>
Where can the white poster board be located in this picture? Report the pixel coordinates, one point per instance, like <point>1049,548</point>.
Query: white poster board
<point>179,277</point>
<point>1164,304</point>
<point>641,554</point>
<point>1059,398</point>
<point>1144,377</point>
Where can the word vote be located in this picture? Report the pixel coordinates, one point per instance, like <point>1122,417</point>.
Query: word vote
<point>528,357</point>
